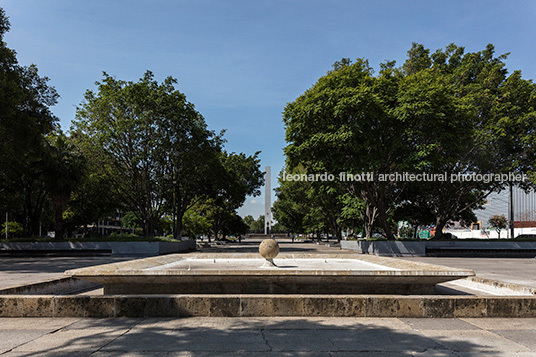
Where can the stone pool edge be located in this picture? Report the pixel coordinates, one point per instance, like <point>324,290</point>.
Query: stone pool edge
<point>115,306</point>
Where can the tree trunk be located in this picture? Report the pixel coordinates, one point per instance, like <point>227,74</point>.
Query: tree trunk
<point>369,218</point>
<point>440,224</point>
<point>33,201</point>
<point>58,204</point>
<point>31,220</point>
<point>177,231</point>
<point>148,226</point>
<point>382,218</point>
<point>59,226</point>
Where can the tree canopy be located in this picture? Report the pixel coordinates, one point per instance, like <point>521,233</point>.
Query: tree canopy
<point>134,147</point>
<point>28,181</point>
<point>447,112</point>
<point>158,152</point>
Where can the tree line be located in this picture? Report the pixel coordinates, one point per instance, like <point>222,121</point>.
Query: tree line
<point>137,147</point>
<point>445,112</point>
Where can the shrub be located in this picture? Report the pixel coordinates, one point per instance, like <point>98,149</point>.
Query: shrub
<point>14,229</point>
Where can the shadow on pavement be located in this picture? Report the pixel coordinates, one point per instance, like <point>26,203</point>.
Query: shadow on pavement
<point>245,337</point>
<point>53,264</point>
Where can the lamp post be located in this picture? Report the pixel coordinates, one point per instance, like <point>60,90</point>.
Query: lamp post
<point>511,211</point>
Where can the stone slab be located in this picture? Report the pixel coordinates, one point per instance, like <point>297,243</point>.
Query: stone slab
<point>244,274</point>
<point>71,341</point>
<point>272,336</point>
<point>475,341</point>
<point>266,305</point>
<point>302,340</point>
<point>438,324</point>
<point>190,340</point>
<point>10,339</point>
<point>525,338</point>
<point>502,323</point>
<point>418,248</point>
<point>116,248</point>
<point>44,323</point>
<point>27,271</point>
<point>518,274</point>
<point>61,285</point>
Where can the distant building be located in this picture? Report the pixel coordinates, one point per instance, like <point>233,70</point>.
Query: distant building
<point>498,204</point>
<point>109,225</point>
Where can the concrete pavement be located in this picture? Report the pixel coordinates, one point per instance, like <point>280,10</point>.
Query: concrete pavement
<point>267,337</point>
<point>23,271</point>
<point>16,271</point>
<point>509,270</point>
<point>272,336</point>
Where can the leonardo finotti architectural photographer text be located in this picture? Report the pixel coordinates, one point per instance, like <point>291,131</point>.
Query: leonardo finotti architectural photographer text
<point>404,177</point>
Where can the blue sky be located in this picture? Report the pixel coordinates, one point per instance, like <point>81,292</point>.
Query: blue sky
<point>240,62</point>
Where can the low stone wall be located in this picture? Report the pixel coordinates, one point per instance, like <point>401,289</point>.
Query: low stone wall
<point>116,248</point>
<point>391,248</point>
<point>266,305</point>
<point>411,248</point>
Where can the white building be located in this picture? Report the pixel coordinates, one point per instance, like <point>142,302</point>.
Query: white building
<point>524,205</point>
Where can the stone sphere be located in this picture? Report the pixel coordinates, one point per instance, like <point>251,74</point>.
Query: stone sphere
<point>269,249</point>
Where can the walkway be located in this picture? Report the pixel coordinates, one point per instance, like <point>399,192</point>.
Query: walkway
<point>343,337</point>
<point>16,271</point>
<point>264,336</point>
<point>520,271</point>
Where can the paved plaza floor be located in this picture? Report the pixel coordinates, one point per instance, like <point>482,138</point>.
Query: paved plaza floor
<point>21,271</point>
<point>267,337</point>
<point>509,270</point>
<point>272,336</point>
<point>17,271</point>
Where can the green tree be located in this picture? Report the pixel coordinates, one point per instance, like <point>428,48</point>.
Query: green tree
<point>234,225</point>
<point>195,222</point>
<point>439,125</point>
<point>279,228</point>
<point>130,220</point>
<point>352,213</point>
<point>187,153</point>
<point>92,199</point>
<point>312,207</point>
<point>249,220</point>
<point>240,176</point>
<point>345,123</point>
<point>258,225</point>
<point>447,112</point>
<point>464,116</point>
<point>14,229</point>
<point>499,222</point>
<point>291,205</point>
<point>154,145</point>
<point>25,122</point>
<point>63,172</point>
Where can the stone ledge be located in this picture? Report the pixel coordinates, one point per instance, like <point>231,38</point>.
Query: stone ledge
<point>114,248</point>
<point>344,274</point>
<point>266,305</point>
<point>520,289</point>
<point>419,248</point>
<point>55,286</point>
